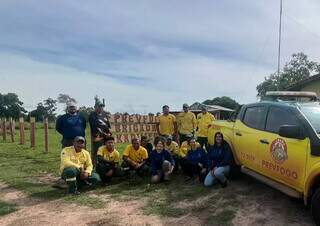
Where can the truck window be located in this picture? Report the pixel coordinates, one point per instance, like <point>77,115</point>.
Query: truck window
<point>278,117</point>
<point>254,117</point>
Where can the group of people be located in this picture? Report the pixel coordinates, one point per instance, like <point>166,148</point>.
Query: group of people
<point>175,149</point>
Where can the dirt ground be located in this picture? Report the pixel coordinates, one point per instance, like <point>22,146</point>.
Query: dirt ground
<point>259,205</point>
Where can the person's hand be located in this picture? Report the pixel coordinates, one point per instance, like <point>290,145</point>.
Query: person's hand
<point>84,175</point>
<point>209,125</point>
<point>171,169</point>
<point>137,165</point>
<point>212,171</point>
<point>203,170</point>
<point>201,166</point>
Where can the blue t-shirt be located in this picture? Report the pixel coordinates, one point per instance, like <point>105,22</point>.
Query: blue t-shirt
<point>70,126</point>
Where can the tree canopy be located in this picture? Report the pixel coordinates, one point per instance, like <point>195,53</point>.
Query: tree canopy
<point>223,101</point>
<point>11,106</point>
<point>296,70</point>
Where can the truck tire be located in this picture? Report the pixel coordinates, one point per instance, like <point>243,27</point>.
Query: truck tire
<point>315,206</point>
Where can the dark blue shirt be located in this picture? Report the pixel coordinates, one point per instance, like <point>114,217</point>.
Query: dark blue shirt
<point>219,156</point>
<point>157,160</point>
<point>197,156</point>
<point>70,126</point>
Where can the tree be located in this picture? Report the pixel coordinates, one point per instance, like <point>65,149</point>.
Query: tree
<point>296,70</point>
<point>45,110</point>
<point>65,98</point>
<point>224,101</point>
<point>85,111</point>
<point>11,106</point>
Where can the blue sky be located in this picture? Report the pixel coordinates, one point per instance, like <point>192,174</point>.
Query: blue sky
<point>140,55</point>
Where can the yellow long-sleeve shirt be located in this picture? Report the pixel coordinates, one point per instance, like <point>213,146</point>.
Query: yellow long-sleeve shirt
<point>185,148</point>
<point>204,120</point>
<point>187,122</point>
<point>173,148</point>
<point>71,158</point>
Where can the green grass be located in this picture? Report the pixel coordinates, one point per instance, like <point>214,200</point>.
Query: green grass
<point>6,208</point>
<point>26,169</point>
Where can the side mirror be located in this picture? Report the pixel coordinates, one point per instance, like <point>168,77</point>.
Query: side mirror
<point>291,131</point>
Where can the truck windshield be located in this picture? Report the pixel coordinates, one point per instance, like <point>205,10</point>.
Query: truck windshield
<point>313,115</point>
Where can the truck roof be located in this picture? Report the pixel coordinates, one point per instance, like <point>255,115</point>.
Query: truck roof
<point>287,103</point>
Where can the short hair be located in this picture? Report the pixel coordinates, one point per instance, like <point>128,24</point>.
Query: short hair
<point>144,138</point>
<point>135,139</point>
<point>165,106</point>
<point>159,139</point>
<point>107,138</point>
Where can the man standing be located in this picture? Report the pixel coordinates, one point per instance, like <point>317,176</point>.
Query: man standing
<point>71,125</point>
<point>205,119</point>
<point>167,124</point>
<point>100,127</point>
<point>135,157</point>
<point>76,167</point>
<point>187,123</point>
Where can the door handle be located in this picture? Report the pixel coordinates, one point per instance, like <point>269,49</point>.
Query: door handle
<point>238,134</point>
<point>264,141</point>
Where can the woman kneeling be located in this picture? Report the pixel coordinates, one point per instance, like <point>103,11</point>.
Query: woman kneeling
<point>220,159</point>
<point>162,163</point>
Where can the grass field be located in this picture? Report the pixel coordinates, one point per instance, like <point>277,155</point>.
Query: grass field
<point>26,169</point>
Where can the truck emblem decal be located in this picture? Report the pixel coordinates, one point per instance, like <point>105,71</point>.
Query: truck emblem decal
<point>278,150</point>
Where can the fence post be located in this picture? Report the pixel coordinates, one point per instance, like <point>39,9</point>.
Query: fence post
<point>46,131</point>
<point>33,131</point>
<point>11,129</point>
<point>4,130</point>
<point>21,128</point>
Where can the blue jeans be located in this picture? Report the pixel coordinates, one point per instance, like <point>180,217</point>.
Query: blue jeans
<point>219,174</point>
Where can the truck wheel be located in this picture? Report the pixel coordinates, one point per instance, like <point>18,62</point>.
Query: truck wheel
<point>315,206</point>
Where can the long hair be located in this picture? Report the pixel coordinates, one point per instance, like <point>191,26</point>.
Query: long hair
<point>215,136</point>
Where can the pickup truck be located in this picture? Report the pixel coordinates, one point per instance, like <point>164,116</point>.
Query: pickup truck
<point>278,143</point>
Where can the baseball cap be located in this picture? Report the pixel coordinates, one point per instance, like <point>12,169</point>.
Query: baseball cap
<point>169,137</point>
<point>79,138</point>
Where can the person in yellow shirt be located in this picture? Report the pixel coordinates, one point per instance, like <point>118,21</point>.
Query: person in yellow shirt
<point>187,123</point>
<point>205,120</point>
<point>108,159</point>
<point>167,124</point>
<point>173,148</point>
<point>185,146</point>
<point>76,167</point>
<point>135,158</point>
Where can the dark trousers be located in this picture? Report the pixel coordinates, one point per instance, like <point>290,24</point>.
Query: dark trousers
<point>66,142</point>
<point>183,137</point>
<point>72,176</point>
<point>95,145</point>
<point>103,168</point>
<point>141,171</point>
<point>192,170</point>
<point>203,141</point>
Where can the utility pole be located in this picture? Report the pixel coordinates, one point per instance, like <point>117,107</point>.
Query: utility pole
<point>279,47</point>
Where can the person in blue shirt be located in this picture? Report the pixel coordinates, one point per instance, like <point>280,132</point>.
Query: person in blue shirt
<point>162,163</point>
<point>219,161</point>
<point>71,125</point>
<point>195,163</point>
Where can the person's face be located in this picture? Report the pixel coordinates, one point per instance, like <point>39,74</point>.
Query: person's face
<point>193,144</point>
<point>185,109</point>
<point>72,110</point>
<point>99,109</point>
<point>218,139</point>
<point>143,142</point>
<point>78,145</point>
<point>136,144</point>
<point>168,141</point>
<point>110,145</point>
<point>159,146</point>
<point>204,111</point>
<point>165,110</point>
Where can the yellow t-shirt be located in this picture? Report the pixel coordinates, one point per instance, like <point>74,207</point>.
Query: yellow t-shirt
<point>136,155</point>
<point>173,148</point>
<point>185,148</point>
<point>166,124</point>
<point>113,156</point>
<point>71,158</point>
<point>186,122</point>
<point>204,120</point>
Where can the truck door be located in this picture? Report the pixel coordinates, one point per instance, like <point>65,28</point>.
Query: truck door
<point>246,135</point>
<point>282,159</point>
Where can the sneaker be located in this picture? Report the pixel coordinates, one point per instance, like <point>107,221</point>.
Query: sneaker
<point>225,184</point>
<point>74,193</point>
